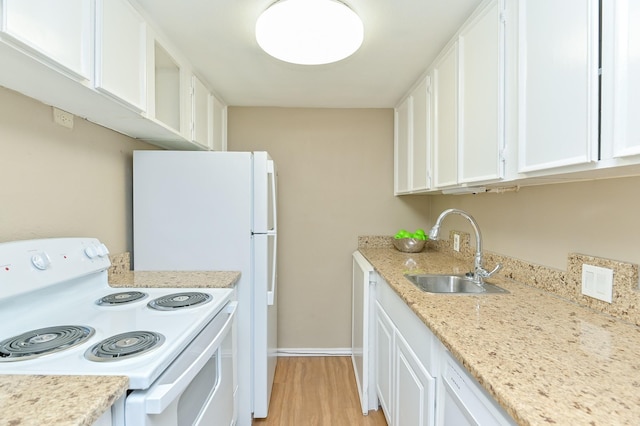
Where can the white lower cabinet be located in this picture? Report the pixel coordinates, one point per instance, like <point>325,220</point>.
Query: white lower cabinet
<point>384,361</point>
<point>414,388</point>
<point>418,382</point>
<point>404,378</point>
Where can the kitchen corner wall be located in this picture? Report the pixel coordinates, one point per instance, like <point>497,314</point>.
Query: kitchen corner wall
<point>335,171</point>
<point>543,224</point>
<point>59,182</point>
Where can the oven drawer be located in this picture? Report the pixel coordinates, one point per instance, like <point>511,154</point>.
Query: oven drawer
<point>198,388</point>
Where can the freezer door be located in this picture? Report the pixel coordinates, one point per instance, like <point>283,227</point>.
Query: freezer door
<point>264,193</point>
<point>192,210</point>
<point>266,321</point>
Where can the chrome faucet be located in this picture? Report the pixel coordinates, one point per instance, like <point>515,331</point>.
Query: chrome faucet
<point>479,273</point>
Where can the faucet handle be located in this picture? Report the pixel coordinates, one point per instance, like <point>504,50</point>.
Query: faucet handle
<point>484,274</point>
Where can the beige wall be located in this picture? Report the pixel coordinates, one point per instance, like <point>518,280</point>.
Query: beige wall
<point>543,224</point>
<point>58,182</point>
<point>335,171</point>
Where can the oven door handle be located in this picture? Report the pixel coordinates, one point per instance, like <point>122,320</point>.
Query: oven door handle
<point>161,396</point>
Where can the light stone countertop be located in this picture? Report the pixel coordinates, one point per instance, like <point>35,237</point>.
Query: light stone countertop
<point>57,400</point>
<point>544,359</point>
<point>80,400</point>
<point>177,279</point>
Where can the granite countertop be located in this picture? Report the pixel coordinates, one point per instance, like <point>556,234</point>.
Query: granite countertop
<point>81,400</point>
<point>544,359</point>
<point>187,279</point>
<point>57,400</point>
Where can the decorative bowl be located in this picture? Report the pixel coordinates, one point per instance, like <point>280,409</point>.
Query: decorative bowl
<point>409,245</point>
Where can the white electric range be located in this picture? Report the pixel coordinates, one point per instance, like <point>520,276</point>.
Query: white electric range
<point>59,316</point>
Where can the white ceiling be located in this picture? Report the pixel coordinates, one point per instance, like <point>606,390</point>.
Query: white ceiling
<point>401,39</point>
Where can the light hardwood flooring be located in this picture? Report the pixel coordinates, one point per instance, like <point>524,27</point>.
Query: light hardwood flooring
<point>316,391</point>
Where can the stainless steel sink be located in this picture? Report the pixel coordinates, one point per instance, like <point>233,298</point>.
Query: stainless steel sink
<point>452,284</point>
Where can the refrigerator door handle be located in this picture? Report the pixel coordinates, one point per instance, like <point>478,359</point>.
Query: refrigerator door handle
<point>271,293</point>
<point>271,170</point>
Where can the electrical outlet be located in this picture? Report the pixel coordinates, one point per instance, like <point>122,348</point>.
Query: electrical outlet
<point>597,282</point>
<point>63,118</point>
<point>456,242</point>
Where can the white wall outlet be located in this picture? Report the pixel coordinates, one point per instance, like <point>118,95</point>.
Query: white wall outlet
<point>63,118</point>
<point>597,282</point>
<point>456,242</point>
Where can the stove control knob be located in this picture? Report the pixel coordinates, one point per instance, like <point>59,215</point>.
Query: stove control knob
<point>102,250</point>
<point>41,260</point>
<point>91,251</point>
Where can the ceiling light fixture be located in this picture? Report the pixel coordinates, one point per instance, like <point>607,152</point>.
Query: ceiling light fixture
<point>309,32</point>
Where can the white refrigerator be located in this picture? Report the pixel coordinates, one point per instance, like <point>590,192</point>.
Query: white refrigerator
<point>209,211</point>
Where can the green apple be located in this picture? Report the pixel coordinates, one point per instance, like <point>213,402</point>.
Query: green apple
<point>420,235</point>
<point>403,233</point>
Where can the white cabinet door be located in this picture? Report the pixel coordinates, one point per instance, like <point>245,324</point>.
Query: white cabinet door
<point>421,136</point>
<point>384,361</point>
<point>61,31</point>
<point>414,389</point>
<point>403,137</point>
<point>445,138</point>
<point>201,115</point>
<point>481,136</point>
<point>121,53</point>
<point>558,83</point>
<point>219,125</point>
<point>168,89</point>
<point>412,154</point>
<point>620,78</point>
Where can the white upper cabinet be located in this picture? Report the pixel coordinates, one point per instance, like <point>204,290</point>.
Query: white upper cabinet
<point>481,138</point>
<point>445,130</point>
<point>201,107</point>
<point>413,121</point>
<point>421,126</point>
<point>59,32</point>
<point>403,137</point>
<point>558,83</point>
<point>450,130</point>
<point>167,90</point>
<point>620,132</point>
<point>209,117</point>
<point>219,142</point>
<point>105,61</point>
<point>121,53</point>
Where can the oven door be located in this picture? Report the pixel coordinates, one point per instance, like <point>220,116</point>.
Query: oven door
<point>199,387</point>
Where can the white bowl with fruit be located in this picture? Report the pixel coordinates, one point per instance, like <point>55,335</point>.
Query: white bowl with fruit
<point>408,242</point>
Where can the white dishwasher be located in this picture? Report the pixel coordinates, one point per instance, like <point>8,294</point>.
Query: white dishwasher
<point>362,331</point>
<point>462,401</point>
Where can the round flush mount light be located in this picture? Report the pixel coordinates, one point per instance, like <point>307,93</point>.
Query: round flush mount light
<point>309,32</point>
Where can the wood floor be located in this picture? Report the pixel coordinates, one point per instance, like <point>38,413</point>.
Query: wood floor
<point>316,391</point>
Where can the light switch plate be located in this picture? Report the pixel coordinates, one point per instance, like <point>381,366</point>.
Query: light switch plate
<point>597,282</point>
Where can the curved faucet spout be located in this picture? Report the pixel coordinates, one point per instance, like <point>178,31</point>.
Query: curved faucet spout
<point>479,273</point>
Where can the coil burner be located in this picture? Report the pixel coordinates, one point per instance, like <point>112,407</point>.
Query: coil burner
<point>43,341</point>
<point>121,298</point>
<point>179,300</point>
<point>124,346</point>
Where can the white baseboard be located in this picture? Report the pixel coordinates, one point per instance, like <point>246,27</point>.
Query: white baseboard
<point>314,351</point>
